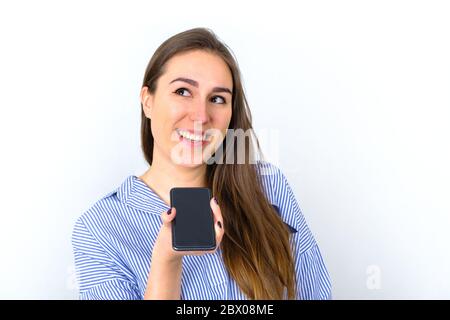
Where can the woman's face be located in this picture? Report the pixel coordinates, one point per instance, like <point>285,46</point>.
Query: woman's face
<point>191,108</point>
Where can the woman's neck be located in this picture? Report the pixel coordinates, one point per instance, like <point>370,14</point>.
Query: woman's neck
<point>164,175</point>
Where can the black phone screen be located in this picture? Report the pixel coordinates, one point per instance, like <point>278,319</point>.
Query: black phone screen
<point>193,226</point>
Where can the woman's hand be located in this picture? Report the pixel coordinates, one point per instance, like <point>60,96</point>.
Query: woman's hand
<point>163,245</point>
<point>164,280</point>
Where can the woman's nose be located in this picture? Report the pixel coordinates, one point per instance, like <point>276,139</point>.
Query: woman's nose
<point>199,112</point>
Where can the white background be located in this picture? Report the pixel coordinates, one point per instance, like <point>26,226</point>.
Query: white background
<point>358,91</point>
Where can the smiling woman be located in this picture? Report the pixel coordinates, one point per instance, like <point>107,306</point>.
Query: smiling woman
<point>191,98</point>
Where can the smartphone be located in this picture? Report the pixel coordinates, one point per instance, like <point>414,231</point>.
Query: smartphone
<point>193,226</point>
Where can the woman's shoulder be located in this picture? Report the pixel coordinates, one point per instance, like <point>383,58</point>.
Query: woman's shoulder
<point>122,204</point>
<point>283,199</point>
<point>101,212</point>
<point>127,209</point>
<point>280,193</point>
<point>272,179</point>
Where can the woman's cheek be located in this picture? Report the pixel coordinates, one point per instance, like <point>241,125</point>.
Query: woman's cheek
<point>223,119</point>
<point>177,109</point>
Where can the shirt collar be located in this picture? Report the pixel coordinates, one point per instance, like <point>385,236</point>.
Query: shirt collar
<point>136,194</point>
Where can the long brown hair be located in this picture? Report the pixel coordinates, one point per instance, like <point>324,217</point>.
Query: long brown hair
<point>256,245</point>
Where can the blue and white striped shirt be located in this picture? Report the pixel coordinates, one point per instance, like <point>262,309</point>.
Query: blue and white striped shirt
<point>113,241</point>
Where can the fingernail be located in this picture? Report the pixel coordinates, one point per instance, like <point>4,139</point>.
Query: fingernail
<point>216,201</point>
<point>219,224</point>
<point>169,211</point>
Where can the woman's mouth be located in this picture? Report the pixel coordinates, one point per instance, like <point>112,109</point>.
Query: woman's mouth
<point>193,139</point>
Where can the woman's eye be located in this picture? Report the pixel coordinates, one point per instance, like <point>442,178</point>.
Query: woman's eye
<point>182,90</point>
<point>221,99</point>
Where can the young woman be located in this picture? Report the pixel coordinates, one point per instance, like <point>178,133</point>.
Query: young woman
<point>191,98</point>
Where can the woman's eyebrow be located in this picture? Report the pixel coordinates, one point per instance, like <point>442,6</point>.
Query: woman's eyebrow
<point>195,84</point>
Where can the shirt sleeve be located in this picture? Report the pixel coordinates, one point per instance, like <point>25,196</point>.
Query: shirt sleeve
<point>99,277</point>
<point>313,280</point>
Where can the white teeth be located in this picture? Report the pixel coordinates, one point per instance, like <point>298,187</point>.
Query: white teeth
<point>190,136</point>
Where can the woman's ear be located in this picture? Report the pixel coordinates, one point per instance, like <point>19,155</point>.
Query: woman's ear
<point>146,101</point>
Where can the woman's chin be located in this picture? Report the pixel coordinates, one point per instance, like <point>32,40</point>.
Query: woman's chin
<point>190,162</point>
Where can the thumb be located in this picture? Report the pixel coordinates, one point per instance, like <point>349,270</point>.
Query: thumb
<point>168,216</point>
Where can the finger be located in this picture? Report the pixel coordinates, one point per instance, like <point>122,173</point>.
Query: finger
<point>218,227</point>
<point>217,213</point>
<point>168,216</point>
<point>218,222</point>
